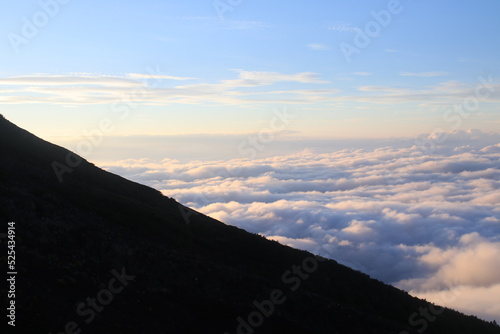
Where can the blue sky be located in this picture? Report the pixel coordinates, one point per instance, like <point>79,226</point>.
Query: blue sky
<point>223,67</point>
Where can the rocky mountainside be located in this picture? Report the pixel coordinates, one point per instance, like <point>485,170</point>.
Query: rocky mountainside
<point>96,253</point>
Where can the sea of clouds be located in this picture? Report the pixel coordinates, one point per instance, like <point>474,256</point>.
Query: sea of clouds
<point>424,218</point>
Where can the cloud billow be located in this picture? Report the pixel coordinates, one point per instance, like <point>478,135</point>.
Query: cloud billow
<point>427,225</point>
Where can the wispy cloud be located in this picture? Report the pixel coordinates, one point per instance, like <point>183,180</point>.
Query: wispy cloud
<point>424,74</point>
<point>343,27</point>
<point>98,89</point>
<point>162,89</point>
<point>317,46</point>
<point>60,80</point>
<point>267,78</point>
<point>443,94</point>
<point>215,22</point>
<point>156,76</point>
<point>243,25</point>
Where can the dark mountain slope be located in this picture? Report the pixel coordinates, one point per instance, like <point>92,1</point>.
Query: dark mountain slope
<point>183,272</point>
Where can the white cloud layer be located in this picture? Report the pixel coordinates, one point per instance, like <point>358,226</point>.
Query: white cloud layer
<point>428,223</point>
